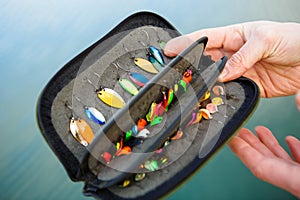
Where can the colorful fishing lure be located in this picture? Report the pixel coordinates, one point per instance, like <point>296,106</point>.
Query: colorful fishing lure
<point>178,135</point>
<point>168,101</point>
<point>156,54</point>
<point>155,63</point>
<point>217,101</point>
<point>151,114</point>
<point>138,79</point>
<point>81,131</point>
<point>143,133</point>
<point>128,86</point>
<point>151,165</point>
<point>145,65</point>
<point>110,97</point>
<point>161,44</point>
<point>218,90</point>
<point>156,120</point>
<point>95,115</point>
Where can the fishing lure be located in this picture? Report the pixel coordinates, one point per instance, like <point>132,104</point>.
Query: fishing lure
<point>145,65</point>
<point>138,79</point>
<point>170,98</point>
<point>156,120</point>
<point>218,90</point>
<point>151,114</point>
<point>159,109</point>
<point>141,124</point>
<point>134,130</point>
<point>122,150</point>
<point>110,97</point>
<point>93,113</point>
<point>212,108</point>
<point>205,113</point>
<point>183,84</point>
<point>139,176</point>
<point>187,76</point>
<point>198,117</point>
<point>206,96</point>
<point>160,42</point>
<point>143,133</point>
<point>156,54</point>
<point>106,156</point>
<point>151,165</point>
<point>217,101</point>
<point>192,119</point>
<point>128,86</point>
<point>81,131</point>
<point>178,135</point>
<point>155,63</point>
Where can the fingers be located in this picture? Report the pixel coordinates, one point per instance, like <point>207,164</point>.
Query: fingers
<point>176,45</point>
<point>274,170</point>
<point>240,62</point>
<point>268,139</point>
<point>294,145</point>
<point>254,142</point>
<point>247,154</point>
<point>217,39</point>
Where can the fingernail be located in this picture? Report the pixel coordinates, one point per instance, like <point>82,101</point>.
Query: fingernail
<point>223,75</point>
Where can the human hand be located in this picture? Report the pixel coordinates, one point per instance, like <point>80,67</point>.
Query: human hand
<point>267,160</point>
<point>266,52</point>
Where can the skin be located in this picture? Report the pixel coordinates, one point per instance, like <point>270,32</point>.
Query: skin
<point>267,53</point>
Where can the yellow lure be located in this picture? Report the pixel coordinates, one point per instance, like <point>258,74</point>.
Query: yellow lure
<point>145,65</point>
<point>110,97</point>
<point>81,131</point>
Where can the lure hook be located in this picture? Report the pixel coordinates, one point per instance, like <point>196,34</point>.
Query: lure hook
<point>160,42</point>
<point>117,65</point>
<point>148,38</point>
<point>90,82</point>
<point>79,100</point>
<point>67,105</point>
<point>130,54</point>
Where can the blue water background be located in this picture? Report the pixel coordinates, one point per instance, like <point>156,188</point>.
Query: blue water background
<point>38,37</point>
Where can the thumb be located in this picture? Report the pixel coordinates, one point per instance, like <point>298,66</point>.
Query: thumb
<point>176,45</point>
<point>240,62</point>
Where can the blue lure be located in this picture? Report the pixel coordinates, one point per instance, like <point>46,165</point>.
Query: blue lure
<point>138,79</point>
<point>155,63</point>
<point>95,115</point>
<point>156,54</point>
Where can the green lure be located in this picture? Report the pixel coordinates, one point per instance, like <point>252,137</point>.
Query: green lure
<point>156,120</point>
<point>170,97</point>
<point>161,44</point>
<point>183,84</point>
<point>128,86</point>
<point>151,114</point>
<point>151,165</point>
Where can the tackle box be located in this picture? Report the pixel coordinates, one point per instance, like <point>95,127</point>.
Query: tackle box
<point>124,161</point>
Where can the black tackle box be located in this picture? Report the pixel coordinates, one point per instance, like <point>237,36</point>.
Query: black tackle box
<point>162,134</point>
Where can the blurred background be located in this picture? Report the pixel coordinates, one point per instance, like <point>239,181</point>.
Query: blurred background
<point>38,37</point>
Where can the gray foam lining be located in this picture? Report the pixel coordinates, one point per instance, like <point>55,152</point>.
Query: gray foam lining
<point>103,67</point>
